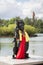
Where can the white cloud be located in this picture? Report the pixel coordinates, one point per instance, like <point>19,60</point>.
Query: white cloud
<point>12,8</point>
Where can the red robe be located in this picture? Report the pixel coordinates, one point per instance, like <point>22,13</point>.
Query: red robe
<point>21,50</point>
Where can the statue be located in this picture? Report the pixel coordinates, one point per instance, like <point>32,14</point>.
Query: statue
<point>21,40</point>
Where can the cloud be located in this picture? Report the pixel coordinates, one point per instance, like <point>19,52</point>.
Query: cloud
<point>12,8</point>
<point>31,6</point>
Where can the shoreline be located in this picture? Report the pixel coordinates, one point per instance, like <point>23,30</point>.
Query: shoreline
<point>6,36</point>
<point>13,36</point>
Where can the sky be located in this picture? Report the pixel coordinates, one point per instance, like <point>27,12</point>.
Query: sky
<point>22,8</point>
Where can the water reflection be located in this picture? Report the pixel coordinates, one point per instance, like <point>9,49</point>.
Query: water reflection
<point>35,46</point>
<point>6,46</point>
<point>0,46</point>
<point>6,49</point>
<point>33,51</point>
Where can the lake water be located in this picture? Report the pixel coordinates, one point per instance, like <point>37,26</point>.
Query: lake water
<point>35,46</point>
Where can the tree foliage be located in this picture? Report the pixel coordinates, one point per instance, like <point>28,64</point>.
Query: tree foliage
<point>7,27</point>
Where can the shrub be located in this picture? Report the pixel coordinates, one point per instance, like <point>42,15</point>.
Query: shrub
<point>9,31</point>
<point>30,29</point>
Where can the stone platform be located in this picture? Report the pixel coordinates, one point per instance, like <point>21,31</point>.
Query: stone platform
<point>33,60</point>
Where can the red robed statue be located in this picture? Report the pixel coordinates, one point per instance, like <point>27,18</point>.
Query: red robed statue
<point>21,41</point>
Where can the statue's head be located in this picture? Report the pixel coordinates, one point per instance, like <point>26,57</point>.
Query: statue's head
<point>20,25</point>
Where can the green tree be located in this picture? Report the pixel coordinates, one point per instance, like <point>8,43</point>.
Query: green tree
<point>27,21</point>
<point>17,18</point>
<point>12,20</point>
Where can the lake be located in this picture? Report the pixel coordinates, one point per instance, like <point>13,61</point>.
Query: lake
<point>35,46</point>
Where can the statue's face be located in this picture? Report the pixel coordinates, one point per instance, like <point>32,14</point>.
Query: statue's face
<point>21,26</point>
